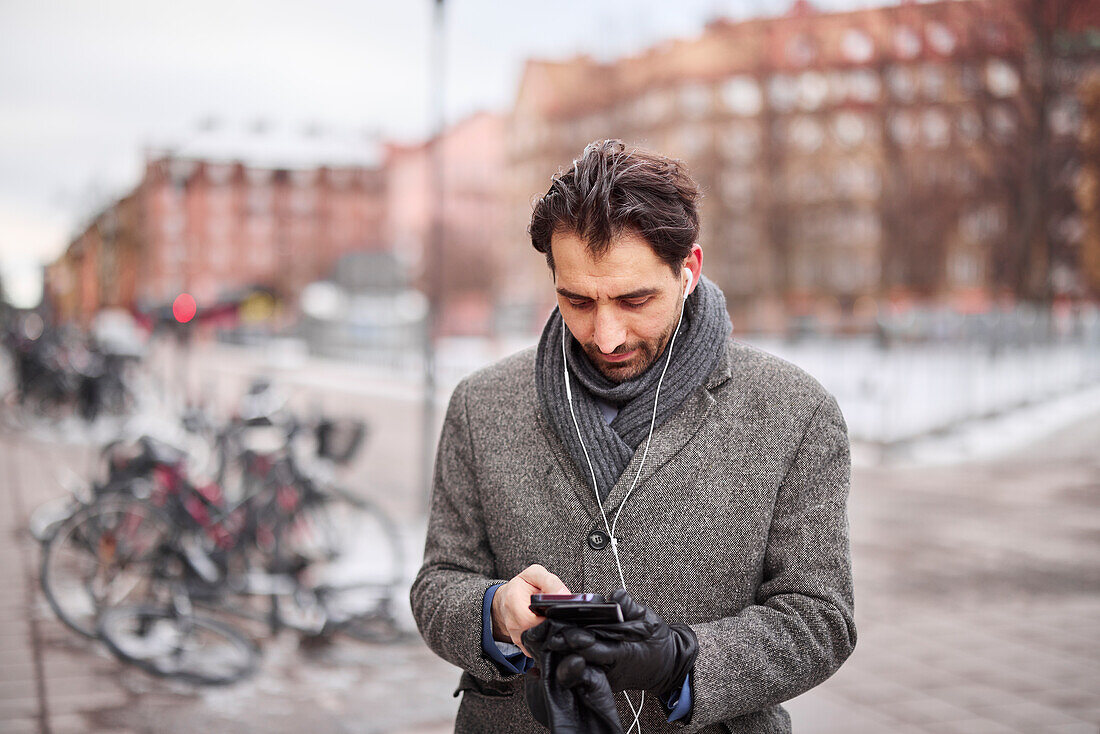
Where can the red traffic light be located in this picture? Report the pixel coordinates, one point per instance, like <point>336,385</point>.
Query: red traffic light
<point>183,308</point>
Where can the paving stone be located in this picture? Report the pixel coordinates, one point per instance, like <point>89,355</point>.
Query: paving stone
<point>79,724</point>
<point>19,725</point>
<point>974,726</point>
<point>1011,681</point>
<point>974,696</point>
<point>820,714</point>
<point>17,689</point>
<point>17,646</point>
<point>1029,714</point>
<point>66,701</point>
<point>925,710</point>
<point>1081,728</point>
<point>17,708</point>
<point>875,691</point>
<point>15,668</point>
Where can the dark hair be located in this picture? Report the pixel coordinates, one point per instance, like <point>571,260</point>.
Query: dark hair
<point>611,189</point>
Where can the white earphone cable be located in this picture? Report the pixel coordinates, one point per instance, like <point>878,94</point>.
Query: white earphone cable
<point>641,464</point>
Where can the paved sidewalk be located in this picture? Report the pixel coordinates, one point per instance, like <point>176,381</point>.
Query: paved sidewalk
<point>978,609</point>
<point>977,597</point>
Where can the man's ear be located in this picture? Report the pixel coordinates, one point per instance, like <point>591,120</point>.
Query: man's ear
<point>693,263</point>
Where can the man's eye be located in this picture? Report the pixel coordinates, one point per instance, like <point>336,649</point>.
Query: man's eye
<point>582,303</point>
<point>636,302</point>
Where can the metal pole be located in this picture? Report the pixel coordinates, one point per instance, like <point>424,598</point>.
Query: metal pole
<point>433,255</point>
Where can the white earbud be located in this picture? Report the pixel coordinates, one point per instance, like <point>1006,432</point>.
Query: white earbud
<point>687,287</point>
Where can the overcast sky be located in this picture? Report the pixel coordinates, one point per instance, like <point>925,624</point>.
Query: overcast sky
<point>86,85</point>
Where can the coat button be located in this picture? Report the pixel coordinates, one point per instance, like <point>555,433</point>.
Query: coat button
<point>598,539</point>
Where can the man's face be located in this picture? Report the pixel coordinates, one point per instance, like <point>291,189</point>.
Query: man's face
<point>623,307</point>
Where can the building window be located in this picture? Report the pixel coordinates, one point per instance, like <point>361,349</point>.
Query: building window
<point>806,134</point>
<point>692,140</point>
<point>340,178</point>
<point>180,171</point>
<point>941,39</point>
<point>1002,124</point>
<point>864,85</point>
<point>258,176</point>
<point>936,128</point>
<point>933,81</point>
<point>982,224</point>
<point>903,128</point>
<point>173,225</point>
<point>782,92</point>
<point>219,174</point>
<point>259,201</point>
<point>220,203</point>
<point>737,188</point>
<point>1065,116</point>
<point>995,36</point>
<point>740,142</point>
<point>302,201</point>
<point>857,179</point>
<point>654,106</point>
<point>695,100</point>
<point>902,83</point>
<point>838,86</point>
<point>807,186</point>
<point>850,129</point>
<point>813,88</point>
<point>303,178</point>
<point>219,250</point>
<point>595,127</point>
<point>969,125</point>
<point>1001,78</point>
<point>801,50</point>
<point>863,225</point>
<point>963,267</point>
<point>857,46</point>
<point>906,42</point>
<point>970,80</point>
<point>742,96</point>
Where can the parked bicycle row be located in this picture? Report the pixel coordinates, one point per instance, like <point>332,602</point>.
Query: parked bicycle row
<point>57,373</point>
<point>159,552</point>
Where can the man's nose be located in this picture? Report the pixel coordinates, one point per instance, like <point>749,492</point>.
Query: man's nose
<point>609,332</point>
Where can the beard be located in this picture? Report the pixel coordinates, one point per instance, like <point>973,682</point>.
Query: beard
<point>647,353</point>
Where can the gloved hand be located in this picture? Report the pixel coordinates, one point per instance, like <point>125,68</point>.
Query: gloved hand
<point>567,697</point>
<point>642,652</point>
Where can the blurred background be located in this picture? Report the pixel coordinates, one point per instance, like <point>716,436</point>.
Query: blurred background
<point>222,218</point>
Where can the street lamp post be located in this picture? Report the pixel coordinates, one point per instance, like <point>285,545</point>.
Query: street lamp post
<point>434,252</point>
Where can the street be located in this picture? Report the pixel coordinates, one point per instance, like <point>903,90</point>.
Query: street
<point>977,609</point>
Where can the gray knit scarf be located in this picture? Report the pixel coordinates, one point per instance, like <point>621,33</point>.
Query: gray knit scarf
<point>701,338</point>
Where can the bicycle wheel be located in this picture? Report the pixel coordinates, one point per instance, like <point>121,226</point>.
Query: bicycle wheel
<point>350,556</point>
<point>101,556</point>
<point>186,647</point>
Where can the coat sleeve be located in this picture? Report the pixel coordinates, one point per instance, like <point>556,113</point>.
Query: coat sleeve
<point>801,627</point>
<point>449,590</point>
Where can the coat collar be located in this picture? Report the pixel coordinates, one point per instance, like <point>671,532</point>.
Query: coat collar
<point>571,484</point>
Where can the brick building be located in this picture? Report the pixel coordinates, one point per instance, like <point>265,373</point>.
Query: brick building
<point>224,213</point>
<point>903,152</point>
<point>474,241</point>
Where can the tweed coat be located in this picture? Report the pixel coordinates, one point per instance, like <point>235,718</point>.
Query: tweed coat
<point>737,526</point>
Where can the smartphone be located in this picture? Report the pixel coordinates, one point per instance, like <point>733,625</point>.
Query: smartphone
<point>576,608</point>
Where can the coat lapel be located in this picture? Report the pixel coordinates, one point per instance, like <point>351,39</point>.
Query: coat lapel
<point>570,489</point>
<point>669,439</point>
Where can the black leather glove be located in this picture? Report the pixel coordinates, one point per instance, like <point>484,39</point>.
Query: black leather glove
<point>642,652</point>
<point>567,697</point>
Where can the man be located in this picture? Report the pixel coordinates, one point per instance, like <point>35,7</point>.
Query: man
<point>721,473</point>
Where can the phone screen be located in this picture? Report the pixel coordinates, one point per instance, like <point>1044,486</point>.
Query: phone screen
<point>576,608</point>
